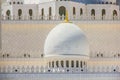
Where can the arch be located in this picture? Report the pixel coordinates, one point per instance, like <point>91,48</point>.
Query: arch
<point>13,2</point>
<point>62,63</point>
<point>25,55</point>
<point>74,11</point>
<point>42,55</point>
<point>67,63</point>
<point>18,2</point>
<point>10,3</point>
<point>8,13</point>
<point>81,11</point>
<point>72,63</point>
<point>62,10</point>
<point>19,13</point>
<point>28,55</point>
<point>110,2</point>
<point>118,55</point>
<point>115,14</point>
<point>103,13</point>
<point>97,55</point>
<point>7,55</point>
<point>42,13</point>
<point>3,56</point>
<point>106,2</point>
<point>30,13</point>
<point>50,12</point>
<point>93,13</point>
<point>81,65</point>
<point>102,55</point>
<point>77,64</point>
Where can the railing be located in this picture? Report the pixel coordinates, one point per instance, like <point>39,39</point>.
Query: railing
<point>25,55</point>
<point>106,55</point>
<point>112,55</point>
<point>54,18</point>
<point>43,70</point>
<point>32,18</point>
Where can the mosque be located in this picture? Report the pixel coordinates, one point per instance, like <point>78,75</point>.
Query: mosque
<point>55,10</point>
<point>60,40</point>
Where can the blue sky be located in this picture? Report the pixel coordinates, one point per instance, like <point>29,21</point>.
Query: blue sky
<point>36,1</point>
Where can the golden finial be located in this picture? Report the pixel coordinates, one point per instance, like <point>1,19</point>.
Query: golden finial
<point>66,17</point>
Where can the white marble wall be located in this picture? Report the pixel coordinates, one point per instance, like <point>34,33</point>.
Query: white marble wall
<point>55,5</point>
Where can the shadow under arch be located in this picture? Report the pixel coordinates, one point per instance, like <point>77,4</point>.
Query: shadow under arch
<point>62,11</point>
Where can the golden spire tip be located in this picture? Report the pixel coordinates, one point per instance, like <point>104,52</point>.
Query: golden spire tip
<point>66,17</point>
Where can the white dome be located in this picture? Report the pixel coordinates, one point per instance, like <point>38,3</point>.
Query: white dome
<point>66,39</point>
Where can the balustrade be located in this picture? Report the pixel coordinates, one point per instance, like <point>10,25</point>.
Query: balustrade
<point>56,18</point>
<point>40,69</point>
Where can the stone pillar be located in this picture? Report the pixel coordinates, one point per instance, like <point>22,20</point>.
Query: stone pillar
<point>0,35</point>
<point>0,28</point>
